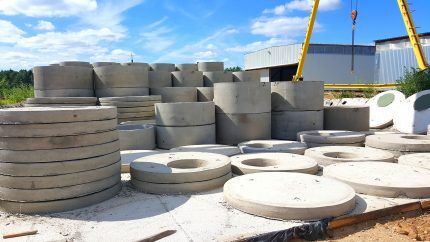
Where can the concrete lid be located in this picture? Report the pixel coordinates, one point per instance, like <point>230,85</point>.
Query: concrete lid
<point>331,136</point>
<point>29,115</point>
<point>399,142</point>
<point>129,104</point>
<point>328,155</point>
<point>257,146</point>
<point>270,162</point>
<point>131,98</point>
<point>180,167</point>
<point>418,159</point>
<point>288,195</point>
<point>382,108</point>
<point>382,178</point>
<point>210,148</point>
<point>412,116</point>
<point>61,100</point>
<point>127,156</point>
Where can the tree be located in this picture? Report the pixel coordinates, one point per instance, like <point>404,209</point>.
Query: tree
<point>236,68</point>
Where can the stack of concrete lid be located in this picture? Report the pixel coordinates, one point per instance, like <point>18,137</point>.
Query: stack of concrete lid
<point>285,146</point>
<point>180,172</point>
<point>242,111</point>
<point>289,195</point>
<point>328,155</point>
<point>184,123</point>
<point>382,179</point>
<point>57,159</point>
<point>127,79</point>
<point>412,115</point>
<point>272,162</point>
<point>136,137</point>
<point>382,108</point>
<point>60,101</point>
<point>400,144</point>
<point>127,156</point>
<point>417,159</point>
<point>160,77</point>
<point>246,76</point>
<point>296,106</point>
<point>317,138</point>
<point>213,72</point>
<point>209,148</point>
<point>354,118</point>
<point>133,108</point>
<point>65,80</point>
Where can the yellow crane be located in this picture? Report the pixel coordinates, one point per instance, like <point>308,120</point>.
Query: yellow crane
<point>407,19</point>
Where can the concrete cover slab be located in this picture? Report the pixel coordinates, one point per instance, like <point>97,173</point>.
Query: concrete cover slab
<point>136,137</point>
<point>127,156</point>
<point>288,195</point>
<point>382,178</point>
<point>412,116</point>
<point>418,159</point>
<point>60,100</point>
<point>286,146</point>
<point>185,113</point>
<point>210,148</point>
<point>298,96</point>
<point>400,142</point>
<point>180,167</point>
<point>131,99</point>
<point>336,154</point>
<point>383,106</point>
<point>331,137</point>
<point>170,137</point>
<point>136,109</point>
<point>312,145</point>
<point>272,162</point>
<point>120,104</point>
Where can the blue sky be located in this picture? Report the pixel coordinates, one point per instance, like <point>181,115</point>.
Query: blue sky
<point>39,32</point>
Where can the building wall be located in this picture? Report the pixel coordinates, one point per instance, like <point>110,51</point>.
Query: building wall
<point>265,75</point>
<point>273,56</point>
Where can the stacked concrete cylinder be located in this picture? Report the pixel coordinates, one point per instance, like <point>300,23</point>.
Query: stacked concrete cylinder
<point>66,80</point>
<point>246,76</point>
<point>58,159</point>
<point>353,118</point>
<point>184,123</point>
<point>133,108</point>
<point>127,79</point>
<point>213,72</point>
<point>60,101</point>
<point>242,112</point>
<point>136,136</point>
<point>296,107</point>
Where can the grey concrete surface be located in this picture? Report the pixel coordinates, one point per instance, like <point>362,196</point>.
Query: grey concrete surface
<point>62,77</point>
<point>353,118</point>
<point>297,96</point>
<point>262,146</point>
<point>136,137</point>
<point>400,142</point>
<point>158,79</point>
<point>331,137</point>
<point>187,78</point>
<point>210,66</point>
<point>176,94</point>
<point>212,77</point>
<point>162,67</point>
<point>64,93</point>
<point>186,67</point>
<point>210,148</point>
<point>76,63</point>
<point>103,63</point>
<point>246,76</point>
<point>184,113</point>
<point>62,100</point>
<point>127,156</point>
<point>205,94</point>
<point>171,137</point>
<point>122,91</point>
<point>121,76</point>
<point>286,124</point>
<point>418,159</point>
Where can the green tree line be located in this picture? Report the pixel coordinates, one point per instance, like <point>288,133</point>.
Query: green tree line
<point>11,78</point>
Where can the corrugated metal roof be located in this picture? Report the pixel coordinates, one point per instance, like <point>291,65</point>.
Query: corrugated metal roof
<point>273,56</point>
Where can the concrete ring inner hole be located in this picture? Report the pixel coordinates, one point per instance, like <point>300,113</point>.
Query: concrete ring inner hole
<point>342,155</point>
<point>417,137</point>
<point>260,145</point>
<point>260,162</point>
<point>187,163</point>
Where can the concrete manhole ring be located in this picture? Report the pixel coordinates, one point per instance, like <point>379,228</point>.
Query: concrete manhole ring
<point>258,146</point>
<point>127,156</point>
<point>400,142</point>
<point>418,160</point>
<point>331,137</point>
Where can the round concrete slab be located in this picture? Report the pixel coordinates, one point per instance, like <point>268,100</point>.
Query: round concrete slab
<point>130,104</point>
<point>288,195</point>
<point>286,146</point>
<point>59,205</point>
<point>58,168</point>
<point>400,142</point>
<point>272,162</point>
<point>383,106</point>
<point>209,148</point>
<point>187,78</point>
<point>127,156</point>
<point>61,100</point>
<point>331,137</point>
<point>312,145</point>
<point>44,182</point>
<point>412,116</point>
<point>335,154</point>
<point>185,113</point>
<point>149,114</point>
<point>170,137</point>
<point>31,115</point>
<point>136,137</point>
<point>131,99</point>
<point>137,109</point>
<point>382,179</point>
<point>52,194</point>
<point>180,167</point>
<point>180,188</point>
<point>418,159</point>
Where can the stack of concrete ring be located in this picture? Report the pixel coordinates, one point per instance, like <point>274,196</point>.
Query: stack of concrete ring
<point>127,79</point>
<point>57,159</point>
<point>246,76</point>
<point>180,172</point>
<point>412,115</point>
<point>60,101</point>
<point>184,123</point>
<point>318,138</point>
<point>133,108</point>
<point>296,107</point>
<point>400,144</point>
<point>136,136</point>
<point>213,72</point>
<point>68,79</point>
<point>242,111</point>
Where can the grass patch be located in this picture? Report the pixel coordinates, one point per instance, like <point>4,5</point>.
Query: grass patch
<point>370,92</point>
<point>414,81</point>
<point>16,94</point>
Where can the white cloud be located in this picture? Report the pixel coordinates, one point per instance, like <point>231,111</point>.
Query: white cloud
<point>258,45</point>
<point>282,25</point>
<point>46,8</point>
<point>157,37</point>
<point>44,25</point>
<point>304,5</point>
<point>208,55</point>
<point>116,55</point>
<point>9,33</point>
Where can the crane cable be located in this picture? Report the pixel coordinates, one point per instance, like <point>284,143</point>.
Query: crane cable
<point>354,14</point>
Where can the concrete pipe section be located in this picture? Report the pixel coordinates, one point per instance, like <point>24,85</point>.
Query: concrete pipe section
<point>128,156</point>
<point>212,77</point>
<point>382,179</point>
<point>339,154</point>
<point>209,148</point>
<point>382,108</point>
<point>64,93</point>
<point>57,159</point>
<point>418,160</point>
<point>140,64</point>
<point>187,79</point>
<point>122,91</point>
<point>159,79</point>
<point>133,108</point>
<point>286,124</point>
<point>317,138</point>
<point>210,66</point>
<point>205,94</point>
<point>285,146</point>
<point>399,143</point>
<point>354,118</point>
<point>136,137</point>
<point>76,63</point>
<point>246,76</point>
<point>272,162</point>
<point>60,101</point>
<point>412,116</point>
<point>169,67</point>
<point>186,67</point>
<point>289,196</point>
<point>180,172</point>
<point>103,63</point>
<point>176,94</point>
